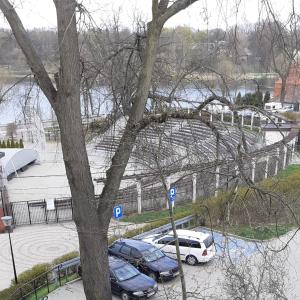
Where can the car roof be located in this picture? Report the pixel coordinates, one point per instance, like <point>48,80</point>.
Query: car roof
<point>191,234</point>
<point>115,262</point>
<point>137,244</point>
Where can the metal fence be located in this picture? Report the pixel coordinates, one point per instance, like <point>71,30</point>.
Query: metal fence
<point>39,211</point>
<point>41,286</point>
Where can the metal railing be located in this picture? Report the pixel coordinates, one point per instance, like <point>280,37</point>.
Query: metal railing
<point>41,286</point>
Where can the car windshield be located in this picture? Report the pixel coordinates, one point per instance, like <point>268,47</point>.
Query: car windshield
<point>152,254</point>
<point>208,241</point>
<point>126,272</point>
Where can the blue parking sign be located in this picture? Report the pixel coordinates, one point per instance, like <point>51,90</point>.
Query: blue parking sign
<point>118,211</point>
<point>172,194</point>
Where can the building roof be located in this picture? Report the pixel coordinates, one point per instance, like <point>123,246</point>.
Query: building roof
<point>281,127</point>
<point>16,159</point>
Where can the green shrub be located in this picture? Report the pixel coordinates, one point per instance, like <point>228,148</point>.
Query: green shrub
<point>34,272</point>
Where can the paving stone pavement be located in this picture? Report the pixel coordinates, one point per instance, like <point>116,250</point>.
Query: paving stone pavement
<point>41,243</point>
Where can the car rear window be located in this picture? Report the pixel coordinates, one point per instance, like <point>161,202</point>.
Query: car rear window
<point>208,241</point>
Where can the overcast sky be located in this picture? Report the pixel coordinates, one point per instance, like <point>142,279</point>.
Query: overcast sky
<point>203,14</point>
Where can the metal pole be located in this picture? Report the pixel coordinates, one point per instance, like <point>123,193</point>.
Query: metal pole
<point>3,207</point>
<point>12,257</point>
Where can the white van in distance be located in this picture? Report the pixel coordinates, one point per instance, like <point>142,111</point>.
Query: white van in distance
<point>195,247</point>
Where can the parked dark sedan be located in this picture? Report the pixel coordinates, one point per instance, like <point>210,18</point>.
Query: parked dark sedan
<point>147,258</point>
<point>128,282</point>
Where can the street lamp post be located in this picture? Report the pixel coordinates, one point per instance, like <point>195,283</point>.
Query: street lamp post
<point>7,221</point>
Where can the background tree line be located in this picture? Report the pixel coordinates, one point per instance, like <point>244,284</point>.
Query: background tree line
<point>267,46</point>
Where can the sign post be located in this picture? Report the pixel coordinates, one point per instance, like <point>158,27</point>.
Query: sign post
<point>118,213</point>
<point>172,196</point>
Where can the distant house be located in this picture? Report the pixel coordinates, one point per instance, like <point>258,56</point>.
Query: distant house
<point>292,87</point>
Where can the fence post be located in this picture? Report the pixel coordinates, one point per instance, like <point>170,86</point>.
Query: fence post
<point>236,168</point>
<point>46,214</point>
<point>139,195</point>
<point>47,282</point>
<point>267,166</point>
<point>59,279</point>
<point>222,116</point>
<point>211,117</point>
<point>29,215</point>
<point>72,208</point>
<point>293,151</point>
<point>217,180</point>
<point>194,187</point>
<point>232,118</point>
<point>253,169</point>
<point>277,159</point>
<point>35,293</point>
<point>242,118</point>
<point>252,120</point>
<point>2,200</point>
<point>284,157</point>
<point>56,214</point>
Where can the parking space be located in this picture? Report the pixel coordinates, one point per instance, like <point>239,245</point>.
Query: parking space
<point>206,281</point>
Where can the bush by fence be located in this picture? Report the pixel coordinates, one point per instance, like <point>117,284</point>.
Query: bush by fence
<point>32,281</point>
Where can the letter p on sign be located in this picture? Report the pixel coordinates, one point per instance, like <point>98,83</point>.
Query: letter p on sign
<point>118,212</point>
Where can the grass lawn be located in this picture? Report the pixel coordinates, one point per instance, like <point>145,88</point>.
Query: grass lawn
<point>150,216</point>
<point>43,291</point>
<point>290,170</point>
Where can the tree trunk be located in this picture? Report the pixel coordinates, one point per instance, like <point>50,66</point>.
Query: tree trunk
<point>91,215</point>
<point>282,90</point>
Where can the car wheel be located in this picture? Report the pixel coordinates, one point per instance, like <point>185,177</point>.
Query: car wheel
<point>125,296</point>
<point>153,276</point>
<point>191,260</point>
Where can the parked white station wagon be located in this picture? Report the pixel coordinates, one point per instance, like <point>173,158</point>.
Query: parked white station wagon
<point>195,247</point>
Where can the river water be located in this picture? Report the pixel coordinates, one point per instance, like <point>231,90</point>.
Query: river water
<point>11,110</point>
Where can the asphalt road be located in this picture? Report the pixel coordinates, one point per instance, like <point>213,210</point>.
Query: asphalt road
<point>206,281</point>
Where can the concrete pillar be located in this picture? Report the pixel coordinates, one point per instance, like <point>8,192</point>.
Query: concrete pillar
<point>236,168</point>
<point>293,150</point>
<point>139,195</point>
<point>194,187</point>
<point>285,156</point>
<point>242,118</point>
<point>253,169</point>
<point>267,166</point>
<point>232,118</point>
<point>277,159</point>
<point>252,120</point>
<point>217,180</point>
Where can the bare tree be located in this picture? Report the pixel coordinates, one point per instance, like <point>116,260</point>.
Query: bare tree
<point>92,215</point>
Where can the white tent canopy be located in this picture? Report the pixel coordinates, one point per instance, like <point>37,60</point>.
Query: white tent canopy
<point>16,159</point>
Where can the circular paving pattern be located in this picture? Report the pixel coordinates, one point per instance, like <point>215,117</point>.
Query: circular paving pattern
<point>35,244</point>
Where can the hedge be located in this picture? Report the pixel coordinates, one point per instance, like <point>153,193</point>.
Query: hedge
<point>38,272</point>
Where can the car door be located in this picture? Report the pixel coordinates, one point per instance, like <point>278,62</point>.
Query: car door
<point>184,247</point>
<point>125,252</point>
<point>166,244</point>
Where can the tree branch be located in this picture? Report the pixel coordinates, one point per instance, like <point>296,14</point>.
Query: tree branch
<point>176,7</point>
<point>33,59</point>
